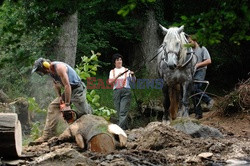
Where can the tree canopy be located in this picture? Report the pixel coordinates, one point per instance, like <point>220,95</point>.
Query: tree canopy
<point>29,29</point>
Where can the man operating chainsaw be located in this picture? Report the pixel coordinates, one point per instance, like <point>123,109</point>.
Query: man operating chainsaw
<point>65,78</point>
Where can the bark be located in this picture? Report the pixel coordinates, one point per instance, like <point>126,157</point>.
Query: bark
<point>20,106</point>
<point>146,49</point>
<point>3,97</point>
<point>65,49</point>
<point>10,135</point>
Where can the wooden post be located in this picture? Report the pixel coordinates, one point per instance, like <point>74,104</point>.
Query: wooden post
<point>10,135</point>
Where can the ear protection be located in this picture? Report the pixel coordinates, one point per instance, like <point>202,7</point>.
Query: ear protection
<point>46,64</point>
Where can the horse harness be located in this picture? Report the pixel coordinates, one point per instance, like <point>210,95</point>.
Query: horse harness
<point>176,53</point>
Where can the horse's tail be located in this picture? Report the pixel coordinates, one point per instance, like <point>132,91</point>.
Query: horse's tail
<point>174,92</point>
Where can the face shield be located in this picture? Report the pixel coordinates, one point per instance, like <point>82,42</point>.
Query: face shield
<point>40,73</point>
<point>38,67</point>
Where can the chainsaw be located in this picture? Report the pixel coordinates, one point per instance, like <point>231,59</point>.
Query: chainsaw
<point>69,115</point>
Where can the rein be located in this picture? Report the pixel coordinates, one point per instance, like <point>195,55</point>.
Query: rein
<point>188,61</point>
<point>179,66</point>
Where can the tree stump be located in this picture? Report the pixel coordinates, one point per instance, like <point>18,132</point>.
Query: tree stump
<point>10,135</point>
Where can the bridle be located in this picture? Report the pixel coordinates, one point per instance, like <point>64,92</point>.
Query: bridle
<point>177,55</point>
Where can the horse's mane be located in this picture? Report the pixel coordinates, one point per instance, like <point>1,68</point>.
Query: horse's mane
<point>183,53</point>
<point>173,32</point>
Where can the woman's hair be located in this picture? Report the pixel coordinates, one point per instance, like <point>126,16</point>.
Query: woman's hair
<point>116,56</point>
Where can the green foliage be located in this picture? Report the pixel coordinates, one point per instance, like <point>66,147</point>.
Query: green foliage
<point>212,26</point>
<point>36,132</point>
<point>34,107</point>
<point>87,68</point>
<point>125,10</point>
<point>22,41</point>
<point>93,99</point>
<point>105,112</point>
<point>102,29</point>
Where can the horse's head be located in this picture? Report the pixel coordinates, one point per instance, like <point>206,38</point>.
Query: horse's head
<point>172,45</point>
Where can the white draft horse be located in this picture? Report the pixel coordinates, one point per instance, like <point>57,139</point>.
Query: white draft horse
<point>176,66</point>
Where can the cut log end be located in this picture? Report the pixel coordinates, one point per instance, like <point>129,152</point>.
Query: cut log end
<point>18,138</point>
<point>102,143</point>
<point>10,136</point>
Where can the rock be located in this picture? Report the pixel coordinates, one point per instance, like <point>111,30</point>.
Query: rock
<point>196,130</point>
<point>205,155</point>
<point>62,157</point>
<point>192,159</point>
<point>217,147</point>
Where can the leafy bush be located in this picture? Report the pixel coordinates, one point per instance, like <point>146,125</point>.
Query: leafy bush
<point>34,107</point>
<point>36,132</point>
<point>87,68</point>
<point>105,112</point>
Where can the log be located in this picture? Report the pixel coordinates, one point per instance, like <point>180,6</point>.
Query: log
<point>94,133</point>
<point>10,136</point>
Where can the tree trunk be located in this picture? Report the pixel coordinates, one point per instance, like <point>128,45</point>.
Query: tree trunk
<point>65,49</point>
<point>10,135</point>
<point>146,49</point>
<point>20,106</point>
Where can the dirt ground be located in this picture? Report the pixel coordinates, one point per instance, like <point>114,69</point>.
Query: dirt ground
<point>160,144</point>
<point>157,144</point>
<point>237,124</point>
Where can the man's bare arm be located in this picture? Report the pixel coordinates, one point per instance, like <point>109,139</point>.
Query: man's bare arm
<point>62,72</point>
<point>204,63</point>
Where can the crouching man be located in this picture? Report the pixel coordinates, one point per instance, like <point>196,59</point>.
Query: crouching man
<point>64,77</point>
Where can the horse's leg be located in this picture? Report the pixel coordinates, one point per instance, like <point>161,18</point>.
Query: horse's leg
<point>166,103</point>
<point>187,88</point>
<point>174,92</point>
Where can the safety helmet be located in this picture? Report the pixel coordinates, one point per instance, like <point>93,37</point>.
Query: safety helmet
<point>39,66</point>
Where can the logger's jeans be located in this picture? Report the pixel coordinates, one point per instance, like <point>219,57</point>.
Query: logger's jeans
<point>199,75</point>
<point>122,99</point>
<point>78,98</point>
